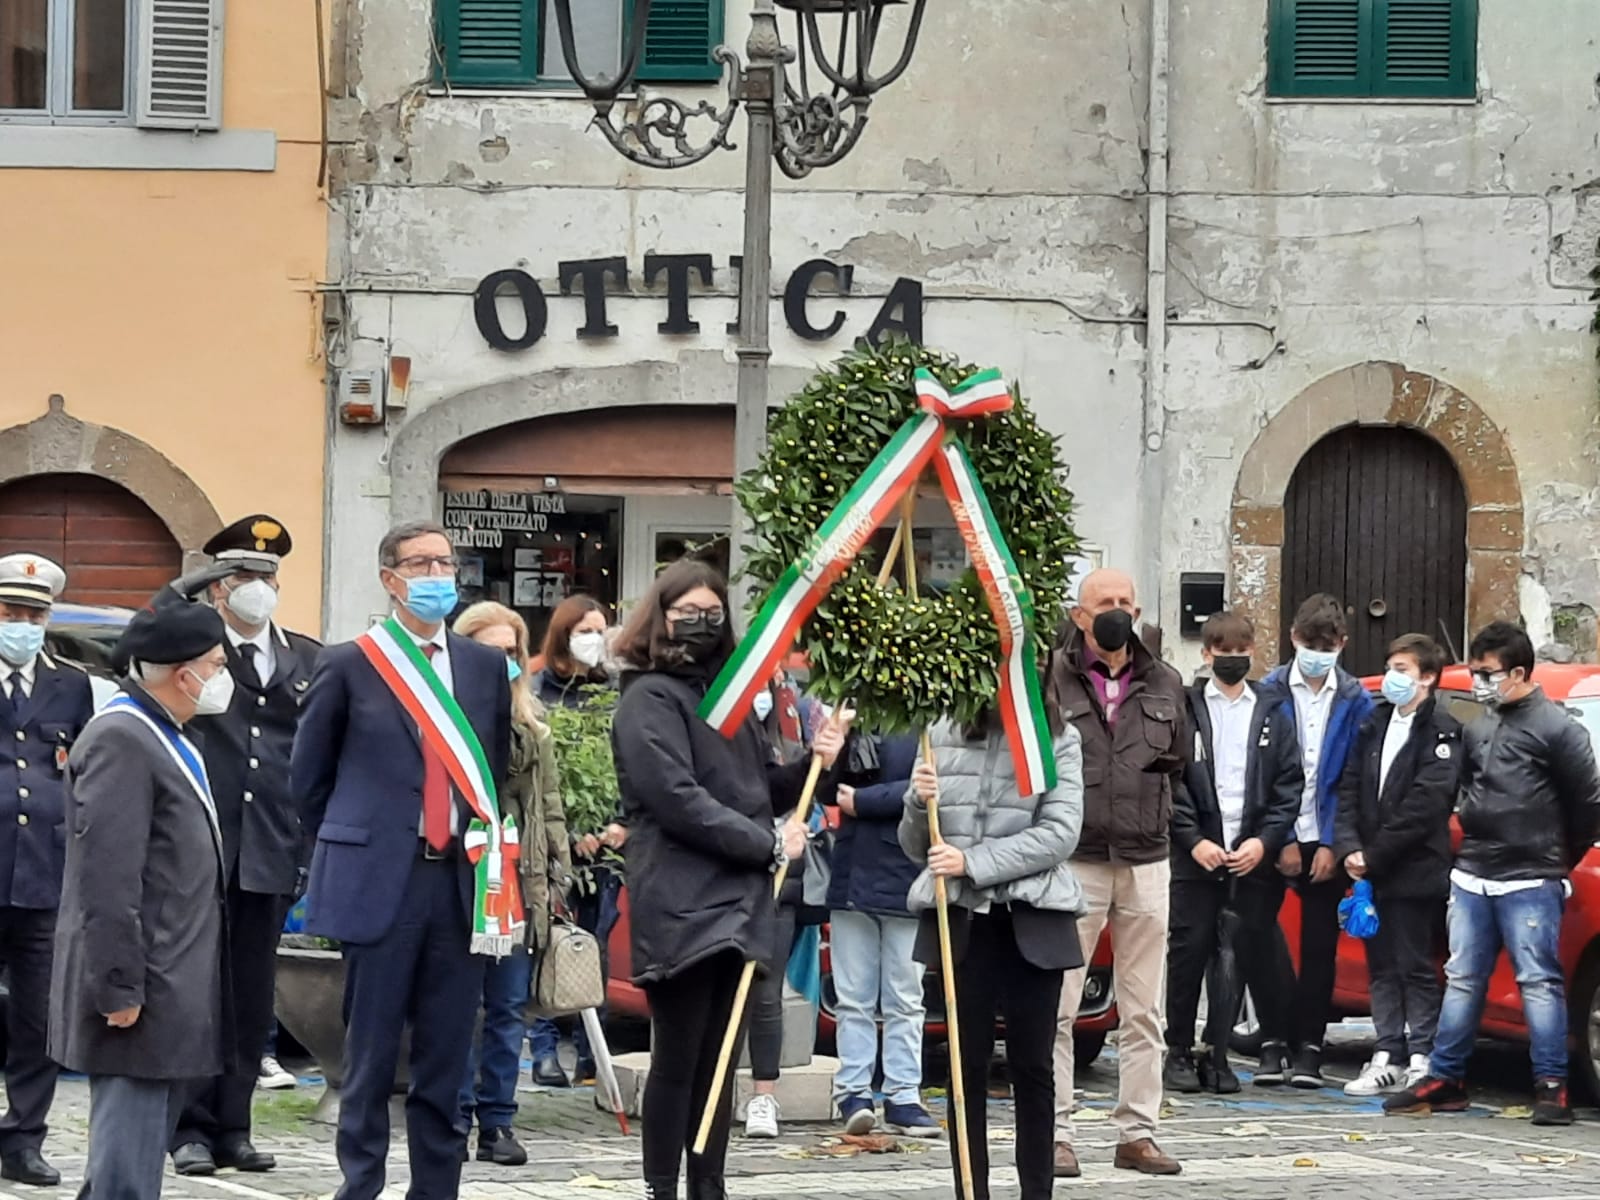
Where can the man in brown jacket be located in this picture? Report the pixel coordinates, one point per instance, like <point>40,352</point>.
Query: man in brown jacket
<point>1128,707</point>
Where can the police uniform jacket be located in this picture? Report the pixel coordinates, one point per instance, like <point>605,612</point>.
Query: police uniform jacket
<point>34,744</point>
<point>247,756</point>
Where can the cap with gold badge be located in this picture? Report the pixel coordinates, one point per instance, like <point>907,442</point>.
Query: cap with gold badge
<point>256,543</point>
<point>30,580</point>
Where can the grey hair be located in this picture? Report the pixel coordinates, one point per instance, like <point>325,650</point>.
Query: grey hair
<point>148,673</point>
<point>389,548</point>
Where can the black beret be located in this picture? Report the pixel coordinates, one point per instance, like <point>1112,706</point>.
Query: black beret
<point>169,631</point>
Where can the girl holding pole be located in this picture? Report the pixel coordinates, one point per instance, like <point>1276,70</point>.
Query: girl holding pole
<point>1013,903</point>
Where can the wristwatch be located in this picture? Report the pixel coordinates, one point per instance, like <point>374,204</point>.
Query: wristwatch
<point>780,856</point>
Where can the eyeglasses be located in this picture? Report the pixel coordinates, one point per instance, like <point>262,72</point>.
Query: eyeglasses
<point>429,564</point>
<point>714,616</point>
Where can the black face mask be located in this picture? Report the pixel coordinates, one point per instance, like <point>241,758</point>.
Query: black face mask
<point>1230,668</point>
<point>1113,630</point>
<point>697,635</point>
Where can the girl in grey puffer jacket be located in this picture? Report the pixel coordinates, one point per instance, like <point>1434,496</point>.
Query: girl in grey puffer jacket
<point>1014,902</point>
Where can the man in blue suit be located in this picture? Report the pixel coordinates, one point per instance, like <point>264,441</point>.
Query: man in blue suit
<point>385,787</point>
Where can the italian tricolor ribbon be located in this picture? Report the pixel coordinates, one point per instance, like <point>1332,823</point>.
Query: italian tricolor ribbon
<point>491,844</point>
<point>919,442</point>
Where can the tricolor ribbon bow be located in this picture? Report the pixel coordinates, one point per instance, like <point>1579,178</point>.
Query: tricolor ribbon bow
<point>873,498</point>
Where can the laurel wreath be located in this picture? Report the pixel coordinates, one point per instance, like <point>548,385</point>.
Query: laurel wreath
<point>905,661</point>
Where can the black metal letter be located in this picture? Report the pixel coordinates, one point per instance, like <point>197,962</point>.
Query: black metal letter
<point>904,299</point>
<point>677,267</point>
<point>794,298</point>
<point>594,272</point>
<point>487,312</point>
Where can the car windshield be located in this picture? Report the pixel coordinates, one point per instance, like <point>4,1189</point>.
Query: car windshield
<point>1588,713</point>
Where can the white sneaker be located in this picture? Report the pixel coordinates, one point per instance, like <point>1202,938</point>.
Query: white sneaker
<point>761,1117</point>
<point>272,1076</point>
<point>1379,1075</point>
<point>1417,1071</point>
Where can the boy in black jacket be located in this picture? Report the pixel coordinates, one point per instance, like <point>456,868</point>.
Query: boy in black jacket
<point>1235,811</point>
<point>1393,829</point>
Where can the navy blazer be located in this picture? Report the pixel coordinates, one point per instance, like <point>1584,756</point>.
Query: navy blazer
<point>33,755</point>
<point>356,776</point>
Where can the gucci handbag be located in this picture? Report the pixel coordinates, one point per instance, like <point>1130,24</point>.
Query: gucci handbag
<point>569,978</point>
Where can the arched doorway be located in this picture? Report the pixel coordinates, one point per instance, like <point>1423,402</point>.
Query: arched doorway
<point>1377,516</point>
<point>114,548</point>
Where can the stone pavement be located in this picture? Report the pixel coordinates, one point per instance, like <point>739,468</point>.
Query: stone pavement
<point>1261,1145</point>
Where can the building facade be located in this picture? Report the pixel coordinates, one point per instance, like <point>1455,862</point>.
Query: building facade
<point>160,340</point>
<point>1306,300</point>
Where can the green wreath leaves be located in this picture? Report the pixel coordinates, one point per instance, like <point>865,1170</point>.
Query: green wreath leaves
<point>905,661</point>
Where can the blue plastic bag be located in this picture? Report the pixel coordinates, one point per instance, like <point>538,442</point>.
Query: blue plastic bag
<point>1358,915</point>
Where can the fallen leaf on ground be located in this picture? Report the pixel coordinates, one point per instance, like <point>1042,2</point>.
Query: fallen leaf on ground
<point>1355,1137</point>
<point>1092,1114</point>
<point>1305,1162</point>
<point>1517,1112</point>
<point>1549,1160</point>
<point>1251,1129</point>
<point>1097,1095</point>
<point>596,1183</point>
<point>934,1093</point>
<point>1168,1112</point>
<point>1002,1135</point>
<point>849,1146</point>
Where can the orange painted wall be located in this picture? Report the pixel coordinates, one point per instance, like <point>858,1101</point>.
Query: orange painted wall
<point>180,306</point>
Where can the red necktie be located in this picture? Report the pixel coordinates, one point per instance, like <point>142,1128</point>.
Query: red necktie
<point>435,790</point>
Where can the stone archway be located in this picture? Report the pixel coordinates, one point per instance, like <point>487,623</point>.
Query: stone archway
<point>59,443</point>
<point>1378,393</point>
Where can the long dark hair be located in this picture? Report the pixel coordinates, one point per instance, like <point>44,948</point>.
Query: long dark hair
<point>557,649</point>
<point>644,644</point>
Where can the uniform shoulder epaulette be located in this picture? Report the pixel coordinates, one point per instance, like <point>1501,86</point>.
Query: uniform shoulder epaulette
<point>55,660</point>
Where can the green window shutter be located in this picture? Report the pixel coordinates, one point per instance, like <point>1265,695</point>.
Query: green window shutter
<point>679,39</point>
<point>1319,48</point>
<point>1426,48</point>
<point>488,42</point>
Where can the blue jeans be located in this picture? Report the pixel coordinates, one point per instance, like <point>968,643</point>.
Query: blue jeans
<point>490,1088</point>
<point>597,912</point>
<point>875,974</point>
<point>1528,925</point>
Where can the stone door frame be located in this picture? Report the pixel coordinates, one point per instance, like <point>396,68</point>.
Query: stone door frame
<point>1377,394</point>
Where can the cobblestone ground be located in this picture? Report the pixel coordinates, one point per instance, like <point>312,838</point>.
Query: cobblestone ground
<point>1260,1145</point>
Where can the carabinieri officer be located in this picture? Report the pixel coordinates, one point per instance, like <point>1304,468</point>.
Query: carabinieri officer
<point>247,757</point>
<point>44,705</point>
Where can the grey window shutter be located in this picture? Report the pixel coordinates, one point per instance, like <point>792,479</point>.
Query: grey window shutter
<point>179,82</point>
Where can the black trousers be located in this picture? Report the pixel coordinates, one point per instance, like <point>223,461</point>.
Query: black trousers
<point>993,977</point>
<point>421,971</point>
<point>1305,1023</point>
<point>1403,963</point>
<point>1193,945</point>
<point>766,1004</point>
<point>27,947</point>
<point>688,1014</point>
<point>216,1112</point>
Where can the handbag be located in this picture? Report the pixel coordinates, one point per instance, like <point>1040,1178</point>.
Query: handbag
<point>818,869</point>
<point>569,978</point>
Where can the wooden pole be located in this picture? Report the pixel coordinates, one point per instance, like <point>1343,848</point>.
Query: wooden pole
<point>941,897</point>
<point>730,1036</point>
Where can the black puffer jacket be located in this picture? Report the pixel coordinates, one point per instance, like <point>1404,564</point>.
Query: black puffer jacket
<point>1530,797</point>
<point>700,811</point>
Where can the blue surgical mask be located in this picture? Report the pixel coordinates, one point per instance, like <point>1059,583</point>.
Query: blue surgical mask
<point>431,597</point>
<point>1315,664</point>
<point>513,671</point>
<point>1399,689</point>
<point>20,641</point>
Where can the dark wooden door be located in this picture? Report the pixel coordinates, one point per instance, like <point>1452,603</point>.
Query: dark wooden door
<point>1378,517</point>
<point>114,549</point>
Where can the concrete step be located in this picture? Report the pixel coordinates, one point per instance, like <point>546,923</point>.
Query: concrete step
<point>804,1093</point>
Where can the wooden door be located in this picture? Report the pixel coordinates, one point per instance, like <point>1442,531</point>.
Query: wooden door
<point>1378,517</point>
<point>114,549</point>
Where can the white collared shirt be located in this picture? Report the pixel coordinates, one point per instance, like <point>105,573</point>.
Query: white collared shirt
<point>441,667</point>
<point>1395,738</point>
<point>1232,726</point>
<point>1312,709</point>
<point>25,671</point>
<point>266,658</point>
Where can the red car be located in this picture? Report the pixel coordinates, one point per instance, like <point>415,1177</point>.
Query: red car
<point>1578,687</point>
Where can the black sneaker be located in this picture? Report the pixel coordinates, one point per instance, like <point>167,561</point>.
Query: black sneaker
<point>1274,1068</point>
<point>1432,1095</point>
<point>500,1146</point>
<point>1307,1072</point>
<point>1216,1075</point>
<point>1550,1106</point>
<point>1180,1074</point>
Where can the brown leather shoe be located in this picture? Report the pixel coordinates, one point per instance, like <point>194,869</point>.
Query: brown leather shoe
<point>1145,1157</point>
<point>1066,1162</point>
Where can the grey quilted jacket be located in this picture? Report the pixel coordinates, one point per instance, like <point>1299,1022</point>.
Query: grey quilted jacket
<point>1017,847</point>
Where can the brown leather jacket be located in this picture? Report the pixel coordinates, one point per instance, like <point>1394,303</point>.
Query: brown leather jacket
<point>1129,773</point>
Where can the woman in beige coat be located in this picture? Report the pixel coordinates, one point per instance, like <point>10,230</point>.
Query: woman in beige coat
<point>531,796</point>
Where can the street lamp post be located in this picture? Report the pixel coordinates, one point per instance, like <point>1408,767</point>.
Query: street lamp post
<point>788,122</point>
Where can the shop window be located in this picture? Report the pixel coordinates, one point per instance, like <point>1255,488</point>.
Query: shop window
<point>531,550</point>
<point>516,43</point>
<point>1374,49</point>
<point>151,63</point>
